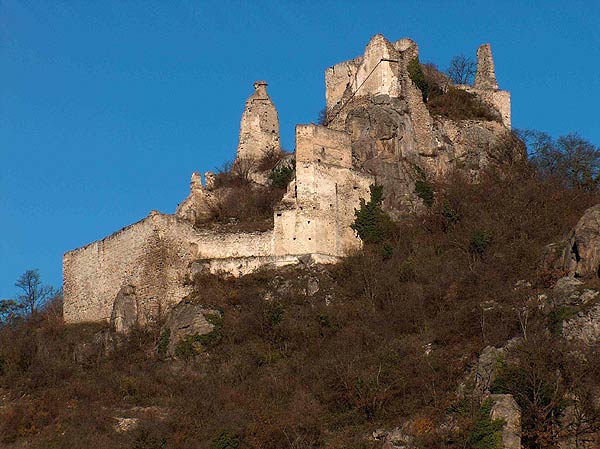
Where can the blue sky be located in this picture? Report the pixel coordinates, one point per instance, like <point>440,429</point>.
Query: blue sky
<point>107,107</point>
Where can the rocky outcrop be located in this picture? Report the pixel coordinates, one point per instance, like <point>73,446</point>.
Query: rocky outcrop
<point>187,328</point>
<point>394,135</point>
<point>584,327</point>
<point>125,315</point>
<point>385,144</point>
<point>580,255</point>
<point>506,408</point>
<point>486,370</point>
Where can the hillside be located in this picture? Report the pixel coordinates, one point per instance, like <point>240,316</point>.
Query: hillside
<point>406,278</point>
<point>318,356</point>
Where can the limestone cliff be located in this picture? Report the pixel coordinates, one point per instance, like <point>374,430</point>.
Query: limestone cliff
<point>395,135</point>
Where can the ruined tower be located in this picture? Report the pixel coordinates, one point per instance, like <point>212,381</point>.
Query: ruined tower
<point>486,75</point>
<point>259,128</point>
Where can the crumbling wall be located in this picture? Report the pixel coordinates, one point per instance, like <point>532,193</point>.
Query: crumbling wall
<point>485,78</point>
<point>374,73</point>
<point>316,213</point>
<point>151,255</point>
<point>199,206</point>
<point>486,85</point>
<point>154,255</point>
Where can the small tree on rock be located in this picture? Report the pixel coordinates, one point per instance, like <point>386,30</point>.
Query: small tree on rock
<point>462,70</point>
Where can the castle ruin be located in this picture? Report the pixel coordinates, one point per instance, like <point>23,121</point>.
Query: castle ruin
<point>378,130</point>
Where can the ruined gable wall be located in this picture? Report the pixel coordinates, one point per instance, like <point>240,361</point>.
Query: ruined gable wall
<point>365,75</point>
<point>383,80</point>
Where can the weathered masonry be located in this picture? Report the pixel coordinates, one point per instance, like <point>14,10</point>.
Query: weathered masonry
<point>378,129</point>
<point>155,254</point>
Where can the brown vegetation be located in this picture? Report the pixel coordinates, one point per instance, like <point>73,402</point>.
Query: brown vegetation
<point>243,202</point>
<point>458,104</point>
<point>386,338</point>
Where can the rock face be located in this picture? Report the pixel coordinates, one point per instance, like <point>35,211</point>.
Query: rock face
<point>393,134</point>
<point>506,408</point>
<point>187,323</point>
<point>585,327</point>
<point>385,143</point>
<point>199,205</point>
<point>124,315</point>
<point>487,369</point>
<point>581,253</point>
<point>259,128</point>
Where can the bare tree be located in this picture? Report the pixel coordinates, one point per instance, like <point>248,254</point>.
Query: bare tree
<point>462,69</point>
<point>34,294</point>
<point>570,159</point>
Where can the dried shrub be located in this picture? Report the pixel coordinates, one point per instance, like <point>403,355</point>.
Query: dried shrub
<point>252,204</point>
<point>270,160</point>
<point>458,104</point>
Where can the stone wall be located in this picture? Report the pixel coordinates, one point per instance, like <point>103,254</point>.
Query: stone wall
<point>159,254</point>
<point>152,255</point>
<point>316,213</point>
<point>155,256</point>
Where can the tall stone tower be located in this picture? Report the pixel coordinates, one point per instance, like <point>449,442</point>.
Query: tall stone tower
<point>485,77</point>
<point>259,128</point>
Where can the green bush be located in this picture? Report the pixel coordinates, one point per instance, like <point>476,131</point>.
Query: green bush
<point>273,314</point>
<point>418,77</point>
<point>480,240</point>
<point>558,315</point>
<point>226,440</point>
<point>280,177</point>
<point>423,187</point>
<point>486,433</point>
<point>163,342</point>
<point>450,216</point>
<point>193,344</point>
<point>372,224</point>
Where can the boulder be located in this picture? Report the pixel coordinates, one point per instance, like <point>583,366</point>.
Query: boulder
<point>581,252</point>
<point>506,408</point>
<point>188,329</point>
<point>585,327</point>
<point>487,369</point>
<point>124,316</point>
